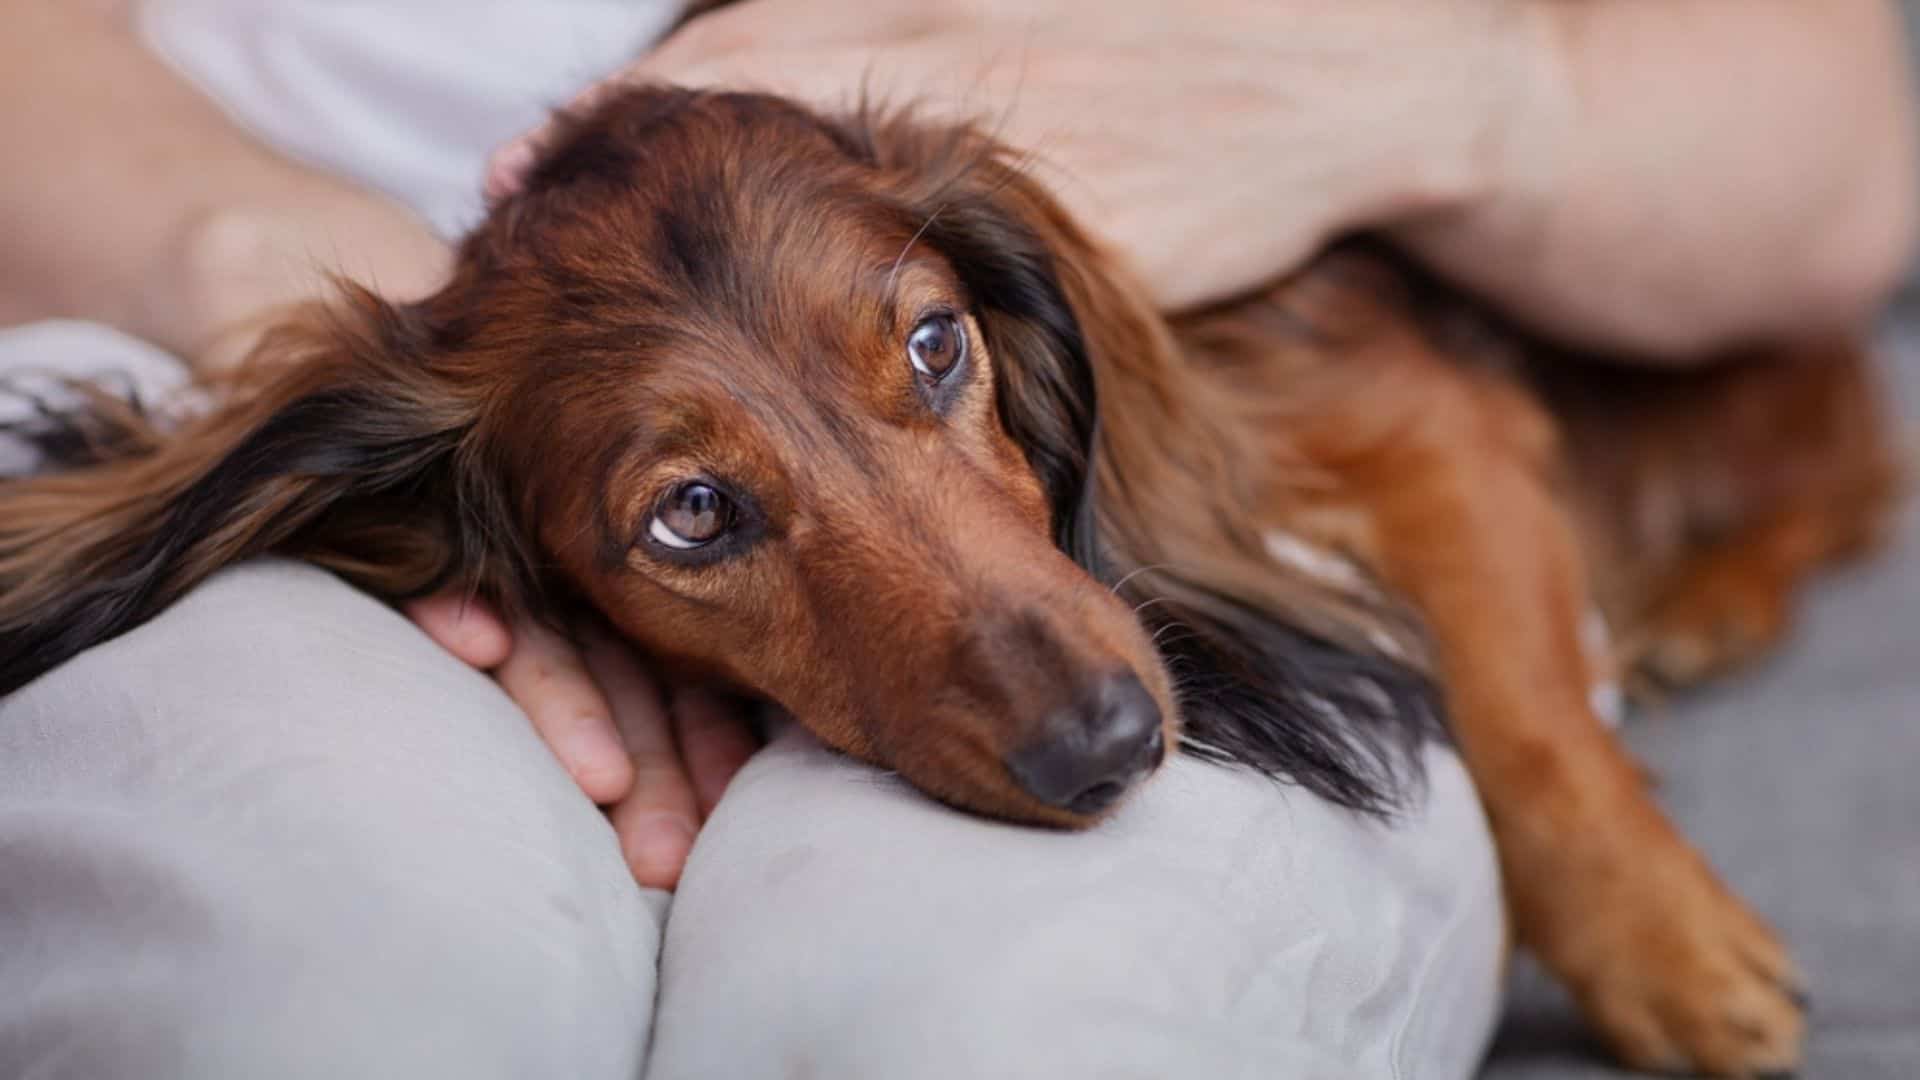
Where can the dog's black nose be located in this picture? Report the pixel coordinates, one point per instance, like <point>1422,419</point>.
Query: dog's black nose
<point>1089,752</point>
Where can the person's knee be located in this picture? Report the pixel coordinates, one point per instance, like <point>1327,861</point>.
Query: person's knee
<point>276,831</point>
<point>1218,924</point>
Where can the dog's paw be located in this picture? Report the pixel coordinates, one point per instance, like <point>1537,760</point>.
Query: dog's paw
<point>1687,979</point>
<point>1710,625</point>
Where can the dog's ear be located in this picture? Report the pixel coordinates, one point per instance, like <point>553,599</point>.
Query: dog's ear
<point>350,452</point>
<point>1272,671</point>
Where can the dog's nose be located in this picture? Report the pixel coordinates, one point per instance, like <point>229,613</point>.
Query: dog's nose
<point>1089,752</point>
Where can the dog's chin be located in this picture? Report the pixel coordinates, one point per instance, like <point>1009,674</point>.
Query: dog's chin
<point>1027,813</point>
<point>995,794</point>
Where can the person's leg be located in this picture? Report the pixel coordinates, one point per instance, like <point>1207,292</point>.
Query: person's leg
<point>833,923</point>
<point>276,832</point>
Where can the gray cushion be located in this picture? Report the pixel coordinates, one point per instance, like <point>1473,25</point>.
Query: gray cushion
<point>833,923</point>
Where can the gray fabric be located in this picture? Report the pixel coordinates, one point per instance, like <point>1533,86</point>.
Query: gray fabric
<point>1799,781</point>
<point>834,924</point>
<point>277,833</point>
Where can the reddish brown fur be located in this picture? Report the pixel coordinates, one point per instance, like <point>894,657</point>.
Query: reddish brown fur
<point>735,304</point>
<point>1503,522</point>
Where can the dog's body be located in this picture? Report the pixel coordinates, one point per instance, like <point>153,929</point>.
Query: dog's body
<point>845,413</point>
<point>1515,497</point>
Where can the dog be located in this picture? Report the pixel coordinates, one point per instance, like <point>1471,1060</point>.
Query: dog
<point>843,412</point>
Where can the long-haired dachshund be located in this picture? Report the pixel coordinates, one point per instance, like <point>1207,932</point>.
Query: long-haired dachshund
<point>844,412</point>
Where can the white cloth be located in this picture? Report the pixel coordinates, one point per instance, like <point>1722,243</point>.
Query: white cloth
<point>406,96</point>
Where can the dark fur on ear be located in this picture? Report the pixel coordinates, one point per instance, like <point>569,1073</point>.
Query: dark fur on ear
<point>354,457</point>
<point>1095,391</point>
<point>1344,723</point>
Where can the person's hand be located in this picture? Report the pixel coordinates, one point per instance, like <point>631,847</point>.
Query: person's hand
<point>1214,142</point>
<point>658,761</point>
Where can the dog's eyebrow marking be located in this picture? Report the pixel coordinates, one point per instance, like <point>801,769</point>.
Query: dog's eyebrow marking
<point>874,287</point>
<point>693,241</point>
<point>894,272</point>
<point>613,545</point>
<point>627,453</point>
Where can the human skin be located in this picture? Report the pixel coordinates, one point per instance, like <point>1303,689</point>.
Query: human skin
<point>1610,171</point>
<point>1654,177</point>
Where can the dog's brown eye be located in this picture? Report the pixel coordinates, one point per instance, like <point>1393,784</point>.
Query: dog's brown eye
<point>692,515</point>
<point>936,346</point>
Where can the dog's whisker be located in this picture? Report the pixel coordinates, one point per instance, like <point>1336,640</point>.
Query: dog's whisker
<point>1149,602</point>
<point>1136,572</point>
<point>1173,632</point>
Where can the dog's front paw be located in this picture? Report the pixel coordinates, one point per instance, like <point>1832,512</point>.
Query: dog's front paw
<point>1681,977</point>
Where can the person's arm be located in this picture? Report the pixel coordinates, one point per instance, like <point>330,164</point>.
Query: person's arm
<point>1655,176</point>
<point>129,199</point>
<point>1693,173</point>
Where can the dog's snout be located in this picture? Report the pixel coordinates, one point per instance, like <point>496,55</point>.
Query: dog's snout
<point>1090,751</point>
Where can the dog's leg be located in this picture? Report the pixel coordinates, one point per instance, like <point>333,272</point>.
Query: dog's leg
<point>1668,963</point>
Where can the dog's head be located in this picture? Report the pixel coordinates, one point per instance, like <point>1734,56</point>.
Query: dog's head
<point>806,406</point>
<point>801,405</point>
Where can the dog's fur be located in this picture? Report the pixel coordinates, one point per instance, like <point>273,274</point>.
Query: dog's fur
<point>1304,520</point>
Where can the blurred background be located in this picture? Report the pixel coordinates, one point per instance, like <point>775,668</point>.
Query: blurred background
<point>1798,780</point>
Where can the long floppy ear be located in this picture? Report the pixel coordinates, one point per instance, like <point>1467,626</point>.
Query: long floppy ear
<point>351,454</point>
<point>1274,671</point>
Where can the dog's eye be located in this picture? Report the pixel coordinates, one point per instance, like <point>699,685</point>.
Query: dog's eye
<point>936,346</point>
<point>692,515</point>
